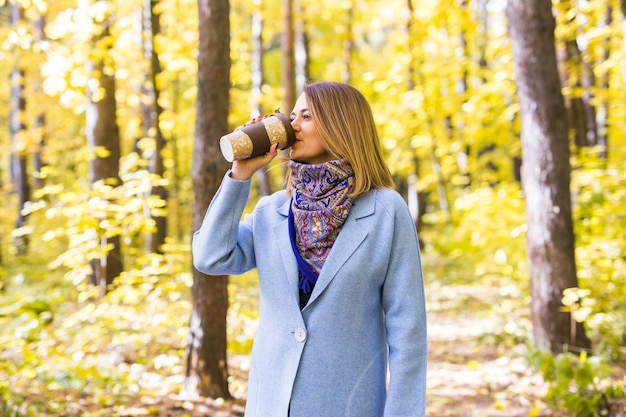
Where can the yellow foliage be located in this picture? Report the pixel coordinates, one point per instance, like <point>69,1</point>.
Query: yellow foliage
<point>441,85</point>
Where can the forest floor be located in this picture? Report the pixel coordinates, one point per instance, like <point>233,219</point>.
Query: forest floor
<point>476,368</point>
<point>469,375</point>
<point>465,379</point>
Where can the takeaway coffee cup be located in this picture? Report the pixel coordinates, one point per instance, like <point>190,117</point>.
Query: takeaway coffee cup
<point>257,138</point>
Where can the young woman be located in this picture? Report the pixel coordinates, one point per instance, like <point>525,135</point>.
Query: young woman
<point>342,321</point>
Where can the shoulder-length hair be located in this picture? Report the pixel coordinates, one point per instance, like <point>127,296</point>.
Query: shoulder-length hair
<point>346,127</point>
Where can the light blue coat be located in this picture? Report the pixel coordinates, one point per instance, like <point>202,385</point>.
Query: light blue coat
<point>366,316</point>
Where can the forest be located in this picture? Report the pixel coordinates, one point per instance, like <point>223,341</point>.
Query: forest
<point>503,123</point>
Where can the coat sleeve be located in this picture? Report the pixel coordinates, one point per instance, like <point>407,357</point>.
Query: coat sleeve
<point>224,243</point>
<point>405,320</point>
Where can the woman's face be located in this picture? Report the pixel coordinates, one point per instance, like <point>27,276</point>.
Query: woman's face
<point>307,148</point>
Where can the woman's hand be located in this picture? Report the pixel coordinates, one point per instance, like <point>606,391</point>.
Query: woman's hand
<point>243,170</point>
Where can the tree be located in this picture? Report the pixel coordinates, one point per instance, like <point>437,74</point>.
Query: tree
<point>206,362</point>
<point>416,200</point>
<point>256,70</point>
<point>302,48</point>
<point>545,174</point>
<point>348,45</point>
<point>19,166</point>
<point>577,76</point>
<point>40,121</point>
<point>152,116</point>
<point>103,140</point>
<point>288,55</point>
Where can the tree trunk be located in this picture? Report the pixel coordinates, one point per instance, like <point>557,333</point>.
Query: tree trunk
<point>206,361</point>
<point>411,70</point>
<point>103,134</point>
<point>19,165</point>
<point>578,75</point>
<point>289,68</point>
<point>153,110</point>
<point>416,199</point>
<point>461,87</point>
<point>303,74</point>
<point>256,64</point>
<point>348,45</point>
<point>604,105</point>
<point>545,174</point>
<point>174,212</point>
<point>40,121</point>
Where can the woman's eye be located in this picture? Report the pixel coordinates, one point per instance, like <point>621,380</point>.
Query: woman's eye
<point>306,116</point>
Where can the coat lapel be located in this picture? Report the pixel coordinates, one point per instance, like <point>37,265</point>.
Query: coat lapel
<point>349,239</point>
<point>281,234</point>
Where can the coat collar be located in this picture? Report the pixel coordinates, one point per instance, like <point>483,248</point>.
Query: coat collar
<point>349,239</point>
<point>363,206</point>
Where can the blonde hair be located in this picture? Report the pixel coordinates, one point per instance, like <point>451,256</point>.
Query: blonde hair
<point>347,130</point>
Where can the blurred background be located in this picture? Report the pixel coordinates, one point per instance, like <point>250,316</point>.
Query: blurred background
<point>109,133</point>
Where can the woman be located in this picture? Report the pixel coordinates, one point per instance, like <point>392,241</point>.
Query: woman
<point>341,288</point>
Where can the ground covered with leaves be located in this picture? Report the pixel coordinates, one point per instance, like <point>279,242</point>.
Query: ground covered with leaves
<point>65,353</point>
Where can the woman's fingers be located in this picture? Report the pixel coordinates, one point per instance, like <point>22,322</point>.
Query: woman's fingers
<point>244,169</point>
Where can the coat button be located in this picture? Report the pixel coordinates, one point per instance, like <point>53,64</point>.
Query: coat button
<point>300,334</point>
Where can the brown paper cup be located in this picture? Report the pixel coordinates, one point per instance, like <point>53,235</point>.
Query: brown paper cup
<point>257,138</point>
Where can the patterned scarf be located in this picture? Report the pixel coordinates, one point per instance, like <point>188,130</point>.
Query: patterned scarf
<point>320,206</point>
